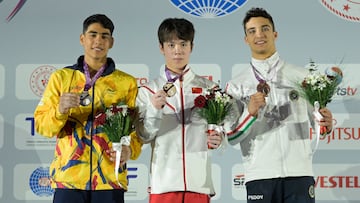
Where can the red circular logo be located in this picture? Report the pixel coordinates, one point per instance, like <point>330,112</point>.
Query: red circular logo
<point>39,79</point>
<point>346,9</point>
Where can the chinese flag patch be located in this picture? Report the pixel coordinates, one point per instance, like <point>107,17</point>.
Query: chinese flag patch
<point>196,90</point>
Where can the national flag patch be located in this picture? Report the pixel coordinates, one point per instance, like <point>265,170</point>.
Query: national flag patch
<point>196,90</point>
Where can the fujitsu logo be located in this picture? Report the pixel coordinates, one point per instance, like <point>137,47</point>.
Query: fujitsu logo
<point>347,133</point>
<point>339,133</point>
<point>337,182</point>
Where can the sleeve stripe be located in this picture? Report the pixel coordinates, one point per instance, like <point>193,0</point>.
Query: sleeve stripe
<point>241,128</point>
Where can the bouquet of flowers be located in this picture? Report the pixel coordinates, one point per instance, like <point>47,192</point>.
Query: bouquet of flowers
<point>319,88</point>
<point>116,121</point>
<point>214,106</point>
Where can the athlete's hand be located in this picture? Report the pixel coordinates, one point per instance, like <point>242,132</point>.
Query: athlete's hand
<point>257,101</point>
<point>327,119</point>
<point>158,100</point>
<point>214,139</point>
<point>125,154</point>
<point>67,101</point>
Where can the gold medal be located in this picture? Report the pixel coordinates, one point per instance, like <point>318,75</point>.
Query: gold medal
<point>263,87</point>
<point>169,89</point>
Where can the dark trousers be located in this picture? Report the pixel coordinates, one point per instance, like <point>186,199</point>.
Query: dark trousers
<point>281,190</point>
<point>87,196</point>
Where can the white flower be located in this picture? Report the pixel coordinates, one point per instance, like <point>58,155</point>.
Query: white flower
<point>221,97</point>
<point>109,113</point>
<point>124,109</point>
<point>208,92</point>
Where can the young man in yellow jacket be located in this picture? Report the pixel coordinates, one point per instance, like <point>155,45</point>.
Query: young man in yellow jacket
<point>82,169</point>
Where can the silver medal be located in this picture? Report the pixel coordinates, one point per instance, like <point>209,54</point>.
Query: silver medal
<point>85,98</point>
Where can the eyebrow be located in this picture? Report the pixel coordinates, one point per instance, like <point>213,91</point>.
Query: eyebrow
<point>252,28</point>
<point>178,41</point>
<point>94,32</point>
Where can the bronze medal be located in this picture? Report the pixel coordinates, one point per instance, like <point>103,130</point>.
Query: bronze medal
<point>169,89</point>
<point>263,87</point>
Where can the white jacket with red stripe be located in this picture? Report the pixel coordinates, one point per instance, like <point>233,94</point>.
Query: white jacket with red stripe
<point>180,159</point>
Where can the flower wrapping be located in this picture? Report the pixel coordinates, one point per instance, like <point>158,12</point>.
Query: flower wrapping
<point>319,89</point>
<point>117,147</point>
<point>116,121</point>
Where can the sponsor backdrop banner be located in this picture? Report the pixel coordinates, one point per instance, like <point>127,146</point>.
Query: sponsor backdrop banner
<point>38,37</point>
<point>2,81</point>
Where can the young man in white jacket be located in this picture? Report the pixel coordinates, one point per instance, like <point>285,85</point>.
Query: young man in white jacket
<point>276,148</point>
<point>180,159</point>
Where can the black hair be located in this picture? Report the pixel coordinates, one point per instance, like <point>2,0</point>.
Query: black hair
<point>257,12</point>
<point>98,18</point>
<point>176,27</point>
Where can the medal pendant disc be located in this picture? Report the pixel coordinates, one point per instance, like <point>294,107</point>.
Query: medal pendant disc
<point>263,87</point>
<point>169,89</point>
<point>85,98</point>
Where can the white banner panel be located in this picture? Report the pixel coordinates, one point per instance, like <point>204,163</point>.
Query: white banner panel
<point>139,71</point>
<point>2,131</point>
<point>31,80</point>
<point>2,81</point>
<point>238,182</point>
<point>138,181</point>
<point>1,181</point>
<point>209,71</point>
<point>26,138</point>
<point>31,182</point>
<point>346,133</point>
<point>337,181</point>
<point>347,89</point>
<point>216,177</point>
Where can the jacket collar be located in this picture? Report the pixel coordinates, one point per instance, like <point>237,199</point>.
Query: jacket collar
<point>79,65</point>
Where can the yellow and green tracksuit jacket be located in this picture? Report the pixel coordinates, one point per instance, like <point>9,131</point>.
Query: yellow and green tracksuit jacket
<point>79,161</point>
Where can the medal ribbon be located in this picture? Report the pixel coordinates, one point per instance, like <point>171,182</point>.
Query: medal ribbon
<point>91,81</point>
<point>173,79</point>
<point>258,74</point>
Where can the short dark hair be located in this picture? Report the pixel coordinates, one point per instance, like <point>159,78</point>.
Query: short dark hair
<point>257,12</point>
<point>98,18</point>
<point>176,27</point>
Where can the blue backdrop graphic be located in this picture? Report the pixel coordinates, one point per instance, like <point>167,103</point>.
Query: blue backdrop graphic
<point>208,8</point>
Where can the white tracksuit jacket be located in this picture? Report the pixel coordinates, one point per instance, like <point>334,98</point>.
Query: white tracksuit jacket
<point>279,145</point>
<point>180,159</point>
